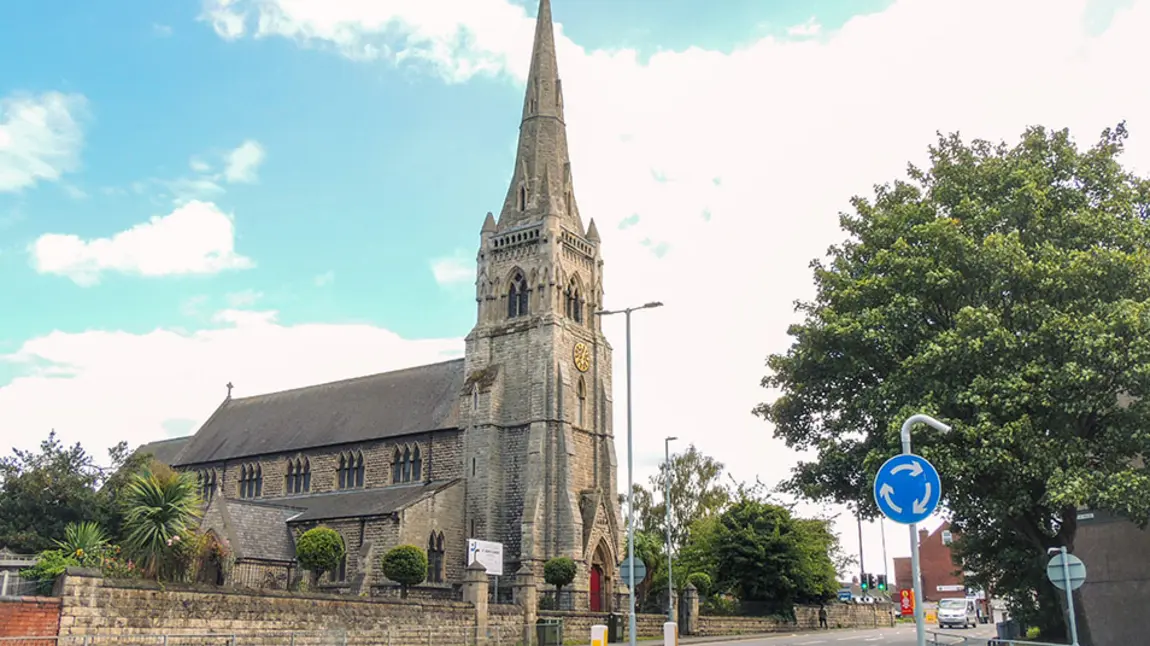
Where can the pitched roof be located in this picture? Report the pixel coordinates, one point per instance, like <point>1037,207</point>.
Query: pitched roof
<point>259,530</point>
<point>165,451</point>
<point>390,404</point>
<point>361,502</point>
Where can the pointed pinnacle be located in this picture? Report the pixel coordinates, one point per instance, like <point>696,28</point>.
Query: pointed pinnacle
<point>593,232</point>
<point>489,223</point>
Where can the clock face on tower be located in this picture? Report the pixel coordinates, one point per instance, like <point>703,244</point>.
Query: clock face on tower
<point>581,355</point>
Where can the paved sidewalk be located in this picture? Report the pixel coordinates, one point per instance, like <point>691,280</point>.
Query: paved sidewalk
<point>727,639</point>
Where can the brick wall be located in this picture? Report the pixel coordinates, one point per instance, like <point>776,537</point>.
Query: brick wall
<point>29,616</point>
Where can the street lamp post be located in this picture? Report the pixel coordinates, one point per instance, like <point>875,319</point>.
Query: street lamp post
<point>667,504</point>
<point>915,569</point>
<point>630,469</point>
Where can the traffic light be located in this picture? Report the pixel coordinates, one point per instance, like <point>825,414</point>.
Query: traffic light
<point>870,581</point>
<point>881,582</point>
<point>864,581</point>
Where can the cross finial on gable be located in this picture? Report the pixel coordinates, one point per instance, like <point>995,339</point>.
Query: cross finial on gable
<point>230,386</point>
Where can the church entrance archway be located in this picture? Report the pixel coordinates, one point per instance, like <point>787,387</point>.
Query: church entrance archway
<point>601,589</point>
<point>596,588</point>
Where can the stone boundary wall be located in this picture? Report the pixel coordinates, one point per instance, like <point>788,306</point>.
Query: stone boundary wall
<point>91,605</point>
<point>29,616</point>
<point>806,617</point>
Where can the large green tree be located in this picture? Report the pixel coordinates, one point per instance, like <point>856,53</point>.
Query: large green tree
<point>42,492</point>
<point>697,492</point>
<point>767,557</point>
<point>1005,290</point>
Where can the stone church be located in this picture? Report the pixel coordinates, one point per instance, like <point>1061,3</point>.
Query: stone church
<point>511,444</point>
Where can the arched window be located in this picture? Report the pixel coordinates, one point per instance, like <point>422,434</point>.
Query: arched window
<point>406,464</point>
<point>206,481</point>
<point>342,469</point>
<point>359,469</point>
<point>298,476</point>
<point>251,481</point>
<point>397,468</point>
<point>518,296</point>
<point>435,558</point>
<point>306,484</point>
<point>581,404</point>
<point>575,303</point>
<point>416,465</point>
<point>290,478</point>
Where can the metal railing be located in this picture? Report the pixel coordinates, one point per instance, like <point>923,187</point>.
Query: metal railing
<point>406,635</point>
<point>950,639</point>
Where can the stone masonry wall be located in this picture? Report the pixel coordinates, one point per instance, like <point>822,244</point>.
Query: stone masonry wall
<point>806,618</point>
<point>577,625</point>
<point>29,617</point>
<point>95,606</point>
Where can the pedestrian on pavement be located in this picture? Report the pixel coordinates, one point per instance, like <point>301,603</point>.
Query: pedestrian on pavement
<point>823,616</point>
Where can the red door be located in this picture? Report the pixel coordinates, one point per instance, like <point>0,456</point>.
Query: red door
<point>596,589</point>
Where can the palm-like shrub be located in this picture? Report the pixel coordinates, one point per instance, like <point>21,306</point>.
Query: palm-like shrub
<point>83,541</point>
<point>162,507</point>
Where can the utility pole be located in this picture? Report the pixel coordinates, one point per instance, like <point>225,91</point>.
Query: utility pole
<point>667,504</point>
<point>862,563</point>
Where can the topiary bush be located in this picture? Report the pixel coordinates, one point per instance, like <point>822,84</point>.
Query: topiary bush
<point>319,550</point>
<point>701,581</point>
<point>559,571</point>
<point>406,565</point>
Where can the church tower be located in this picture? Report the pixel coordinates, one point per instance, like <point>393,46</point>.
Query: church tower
<point>539,453</point>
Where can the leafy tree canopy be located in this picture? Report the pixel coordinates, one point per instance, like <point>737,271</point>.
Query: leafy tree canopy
<point>559,571</point>
<point>406,565</point>
<point>1005,290</point>
<point>319,550</point>
<point>43,492</point>
<point>765,555</point>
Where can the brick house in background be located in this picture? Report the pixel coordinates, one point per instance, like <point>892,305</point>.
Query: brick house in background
<point>941,576</point>
<point>510,443</point>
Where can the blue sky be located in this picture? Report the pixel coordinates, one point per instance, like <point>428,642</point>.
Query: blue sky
<point>354,185</point>
<point>283,193</point>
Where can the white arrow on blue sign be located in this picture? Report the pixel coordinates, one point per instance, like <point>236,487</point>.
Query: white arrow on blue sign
<point>907,489</point>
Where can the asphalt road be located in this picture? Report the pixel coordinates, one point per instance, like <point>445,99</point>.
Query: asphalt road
<point>900,636</point>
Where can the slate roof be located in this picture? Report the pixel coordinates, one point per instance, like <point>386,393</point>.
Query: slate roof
<point>391,404</point>
<point>165,450</point>
<point>361,502</point>
<point>259,530</point>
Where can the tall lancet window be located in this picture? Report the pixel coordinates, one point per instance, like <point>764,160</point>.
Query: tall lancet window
<point>518,297</point>
<point>581,405</point>
<point>522,204</point>
<point>575,302</point>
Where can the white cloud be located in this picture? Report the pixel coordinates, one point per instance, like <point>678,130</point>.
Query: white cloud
<point>454,270</point>
<point>809,28</point>
<point>196,238</point>
<point>243,162</point>
<point>324,279</point>
<point>128,386</point>
<point>736,163</point>
<point>40,138</point>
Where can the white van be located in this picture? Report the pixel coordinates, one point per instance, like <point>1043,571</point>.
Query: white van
<point>957,613</point>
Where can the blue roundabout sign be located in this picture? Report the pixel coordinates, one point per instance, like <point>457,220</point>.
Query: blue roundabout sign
<point>907,489</point>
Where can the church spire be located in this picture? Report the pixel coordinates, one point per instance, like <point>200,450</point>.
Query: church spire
<point>541,183</point>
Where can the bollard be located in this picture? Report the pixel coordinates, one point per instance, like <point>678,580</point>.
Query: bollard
<point>598,636</point>
<point>670,634</point>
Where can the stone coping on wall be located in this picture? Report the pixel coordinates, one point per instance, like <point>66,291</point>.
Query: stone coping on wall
<point>145,584</point>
